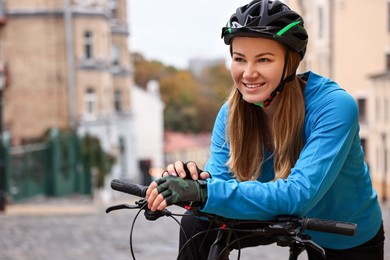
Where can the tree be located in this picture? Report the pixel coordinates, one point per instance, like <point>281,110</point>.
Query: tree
<point>148,70</point>
<point>179,93</point>
<point>216,84</point>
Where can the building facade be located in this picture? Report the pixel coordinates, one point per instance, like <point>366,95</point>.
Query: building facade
<point>149,124</point>
<point>349,41</point>
<point>187,147</point>
<point>380,131</point>
<point>69,68</point>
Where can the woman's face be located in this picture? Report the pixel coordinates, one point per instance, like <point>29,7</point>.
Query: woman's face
<point>257,66</point>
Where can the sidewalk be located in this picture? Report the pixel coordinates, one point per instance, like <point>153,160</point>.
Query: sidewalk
<point>53,206</point>
<point>70,205</point>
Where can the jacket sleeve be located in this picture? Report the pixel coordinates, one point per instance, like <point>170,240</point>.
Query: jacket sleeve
<point>216,165</point>
<point>330,129</point>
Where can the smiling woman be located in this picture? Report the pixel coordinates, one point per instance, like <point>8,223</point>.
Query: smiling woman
<point>257,66</point>
<point>282,144</point>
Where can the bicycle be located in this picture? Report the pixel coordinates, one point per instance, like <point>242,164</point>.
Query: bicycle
<point>286,231</point>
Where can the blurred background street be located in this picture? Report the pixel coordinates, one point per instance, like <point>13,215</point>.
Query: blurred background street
<point>75,228</point>
<point>86,96</point>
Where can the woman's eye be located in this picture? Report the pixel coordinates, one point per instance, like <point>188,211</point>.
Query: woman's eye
<point>238,59</point>
<point>263,60</point>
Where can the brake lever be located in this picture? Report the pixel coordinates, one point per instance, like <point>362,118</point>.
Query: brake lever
<point>309,242</point>
<point>139,205</point>
<point>121,206</point>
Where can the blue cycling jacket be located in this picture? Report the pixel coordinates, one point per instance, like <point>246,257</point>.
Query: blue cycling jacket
<point>330,179</point>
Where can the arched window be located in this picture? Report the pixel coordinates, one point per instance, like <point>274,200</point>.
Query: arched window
<point>118,100</point>
<point>115,55</point>
<point>88,45</point>
<point>90,101</point>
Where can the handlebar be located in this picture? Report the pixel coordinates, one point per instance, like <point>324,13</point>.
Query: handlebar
<point>330,226</point>
<point>287,230</point>
<point>129,188</point>
<point>315,224</point>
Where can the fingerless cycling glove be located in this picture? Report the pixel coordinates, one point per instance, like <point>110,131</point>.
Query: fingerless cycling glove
<point>176,190</point>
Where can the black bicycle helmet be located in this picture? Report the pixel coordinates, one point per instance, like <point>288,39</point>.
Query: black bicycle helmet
<point>269,19</point>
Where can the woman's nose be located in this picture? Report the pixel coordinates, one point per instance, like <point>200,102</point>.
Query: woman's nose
<point>250,71</point>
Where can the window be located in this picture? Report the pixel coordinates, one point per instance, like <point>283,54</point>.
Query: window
<point>362,110</point>
<point>90,101</point>
<point>118,100</point>
<point>88,45</point>
<point>115,54</point>
<point>388,61</point>
<point>113,5</point>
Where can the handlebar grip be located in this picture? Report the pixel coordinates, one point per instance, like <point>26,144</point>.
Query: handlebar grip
<point>128,187</point>
<point>330,226</point>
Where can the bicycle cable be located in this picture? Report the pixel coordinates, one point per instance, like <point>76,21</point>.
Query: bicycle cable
<point>132,229</point>
<point>170,214</point>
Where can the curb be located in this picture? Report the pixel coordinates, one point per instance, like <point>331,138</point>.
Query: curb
<point>61,206</point>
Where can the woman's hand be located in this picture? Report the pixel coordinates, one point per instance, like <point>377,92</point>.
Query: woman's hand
<point>186,170</point>
<point>155,200</point>
<point>175,190</point>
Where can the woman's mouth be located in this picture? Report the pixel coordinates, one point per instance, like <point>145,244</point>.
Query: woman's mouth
<point>251,85</point>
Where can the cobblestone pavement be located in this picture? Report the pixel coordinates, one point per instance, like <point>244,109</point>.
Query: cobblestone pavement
<point>77,228</point>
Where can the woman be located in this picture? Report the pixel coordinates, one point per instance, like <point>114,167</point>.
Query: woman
<point>282,144</point>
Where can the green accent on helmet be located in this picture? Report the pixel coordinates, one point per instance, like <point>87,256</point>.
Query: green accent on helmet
<point>288,27</point>
<point>229,30</point>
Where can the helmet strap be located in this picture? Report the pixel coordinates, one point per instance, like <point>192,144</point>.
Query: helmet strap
<point>280,87</point>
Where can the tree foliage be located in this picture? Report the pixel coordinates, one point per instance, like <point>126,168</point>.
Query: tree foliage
<point>191,102</point>
<point>93,156</point>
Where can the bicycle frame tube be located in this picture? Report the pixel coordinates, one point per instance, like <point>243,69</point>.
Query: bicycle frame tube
<point>218,250</point>
<point>220,243</point>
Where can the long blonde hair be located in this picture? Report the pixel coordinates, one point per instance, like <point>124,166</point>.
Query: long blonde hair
<point>247,133</point>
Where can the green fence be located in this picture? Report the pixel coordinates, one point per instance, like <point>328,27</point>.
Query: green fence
<point>53,168</point>
<point>26,170</point>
